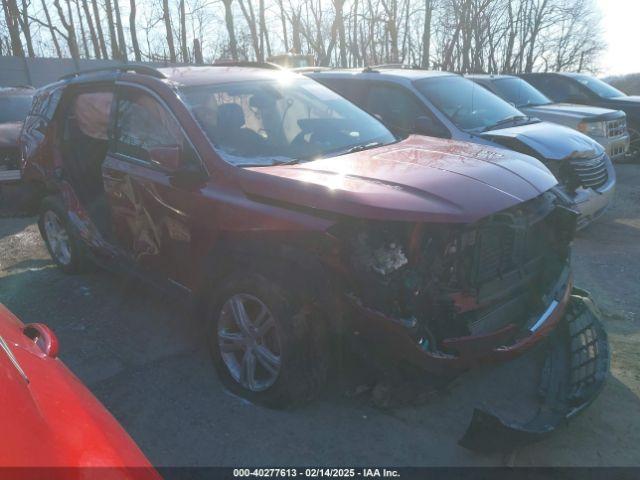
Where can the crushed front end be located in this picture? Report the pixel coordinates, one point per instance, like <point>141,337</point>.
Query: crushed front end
<point>445,298</point>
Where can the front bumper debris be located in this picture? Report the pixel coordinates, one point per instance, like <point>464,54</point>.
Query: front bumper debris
<point>574,371</point>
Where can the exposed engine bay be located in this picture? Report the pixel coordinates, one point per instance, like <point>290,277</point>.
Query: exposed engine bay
<point>443,282</point>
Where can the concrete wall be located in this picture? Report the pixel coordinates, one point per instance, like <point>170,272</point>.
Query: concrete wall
<point>41,71</point>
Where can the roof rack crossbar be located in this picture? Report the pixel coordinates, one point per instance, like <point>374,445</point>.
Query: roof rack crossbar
<point>142,69</point>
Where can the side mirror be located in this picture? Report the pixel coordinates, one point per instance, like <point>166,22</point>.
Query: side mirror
<point>188,177</point>
<point>168,157</point>
<point>428,126</point>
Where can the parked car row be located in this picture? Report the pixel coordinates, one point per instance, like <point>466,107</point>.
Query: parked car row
<point>586,90</point>
<point>412,216</point>
<point>446,105</point>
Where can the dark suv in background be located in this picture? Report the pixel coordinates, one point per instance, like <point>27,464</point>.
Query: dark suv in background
<point>15,103</point>
<point>293,219</point>
<point>588,90</point>
<point>605,126</point>
<point>446,105</point>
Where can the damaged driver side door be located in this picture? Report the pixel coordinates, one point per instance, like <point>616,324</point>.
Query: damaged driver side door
<point>152,205</point>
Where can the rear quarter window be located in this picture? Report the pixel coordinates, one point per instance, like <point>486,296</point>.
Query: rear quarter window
<point>352,90</point>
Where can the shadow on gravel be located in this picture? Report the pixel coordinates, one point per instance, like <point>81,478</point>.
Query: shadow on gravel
<point>13,225</point>
<point>31,264</point>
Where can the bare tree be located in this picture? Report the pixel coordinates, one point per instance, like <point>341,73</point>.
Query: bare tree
<point>426,33</point>
<point>23,19</point>
<point>12,16</point>
<point>113,41</point>
<point>82,32</point>
<point>52,30</point>
<point>92,32</point>
<point>247,10</point>
<point>166,15</point>
<point>67,23</point>
<point>122,44</point>
<point>458,35</point>
<point>228,19</point>
<point>99,34</point>
<point>184,50</point>
<point>132,30</point>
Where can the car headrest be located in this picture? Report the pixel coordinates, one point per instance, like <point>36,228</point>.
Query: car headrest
<point>230,116</point>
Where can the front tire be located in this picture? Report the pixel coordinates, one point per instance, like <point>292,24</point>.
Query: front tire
<point>62,244</point>
<point>267,343</point>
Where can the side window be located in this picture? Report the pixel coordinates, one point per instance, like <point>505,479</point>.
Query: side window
<point>561,89</point>
<point>143,124</point>
<point>397,108</point>
<point>349,89</point>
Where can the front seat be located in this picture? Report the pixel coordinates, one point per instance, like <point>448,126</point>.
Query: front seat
<point>233,135</point>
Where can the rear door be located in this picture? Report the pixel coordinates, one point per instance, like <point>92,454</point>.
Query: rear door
<point>36,137</point>
<point>152,220</point>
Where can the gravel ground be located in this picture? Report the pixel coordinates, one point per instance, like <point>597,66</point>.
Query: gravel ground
<point>145,359</point>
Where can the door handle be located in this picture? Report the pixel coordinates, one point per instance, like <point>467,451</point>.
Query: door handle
<point>114,175</point>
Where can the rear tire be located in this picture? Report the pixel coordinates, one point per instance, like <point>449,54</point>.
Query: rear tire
<point>278,358</point>
<point>62,243</point>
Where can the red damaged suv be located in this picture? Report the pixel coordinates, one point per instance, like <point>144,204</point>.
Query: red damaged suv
<point>293,218</point>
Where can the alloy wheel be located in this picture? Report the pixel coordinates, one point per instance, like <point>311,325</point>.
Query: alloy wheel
<point>57,237</point>
<point>249,343</point>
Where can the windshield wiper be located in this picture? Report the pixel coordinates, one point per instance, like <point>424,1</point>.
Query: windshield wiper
<point>505,121</point>
<point>273,163</point>
<point>358,148</point>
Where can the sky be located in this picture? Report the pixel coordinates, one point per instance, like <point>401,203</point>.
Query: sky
<point>622,34</point>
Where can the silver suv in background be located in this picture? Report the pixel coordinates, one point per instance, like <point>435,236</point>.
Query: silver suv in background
<point>447,105</point>
<point>607,127</point>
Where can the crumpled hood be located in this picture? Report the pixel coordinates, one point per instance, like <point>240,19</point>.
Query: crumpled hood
<point>418,179</point>
<point>9,133</point>
<point>549,140</point>
<point>572,110</point>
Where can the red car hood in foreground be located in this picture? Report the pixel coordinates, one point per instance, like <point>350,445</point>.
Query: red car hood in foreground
<point>49,419</point>
<point>418,179</point>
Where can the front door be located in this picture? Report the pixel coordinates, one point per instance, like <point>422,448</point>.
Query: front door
<point>152,220</point>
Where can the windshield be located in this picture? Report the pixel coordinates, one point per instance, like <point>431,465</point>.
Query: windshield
<point>519,92</point>
<point>268,122</point>
<point>468,105</point>
<point>600,88</point>
<point>14,108</point>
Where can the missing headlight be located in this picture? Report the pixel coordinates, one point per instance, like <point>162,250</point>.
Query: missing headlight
<point>378,254</point>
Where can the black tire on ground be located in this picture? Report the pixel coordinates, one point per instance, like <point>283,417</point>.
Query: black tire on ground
<point>298,326</point>
<point>72,259</point>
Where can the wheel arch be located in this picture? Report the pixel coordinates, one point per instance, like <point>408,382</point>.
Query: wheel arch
<point>287,262</point>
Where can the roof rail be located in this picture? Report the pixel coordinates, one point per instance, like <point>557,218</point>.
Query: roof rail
<point>246,63</point>
<point>402,66</point>
<point>142,69</point>
<point>315,69</point>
